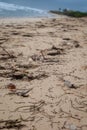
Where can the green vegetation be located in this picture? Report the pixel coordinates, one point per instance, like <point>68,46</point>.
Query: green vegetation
<point>70,13</point>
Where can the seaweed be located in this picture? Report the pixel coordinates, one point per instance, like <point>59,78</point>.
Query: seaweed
<point>9,124</point>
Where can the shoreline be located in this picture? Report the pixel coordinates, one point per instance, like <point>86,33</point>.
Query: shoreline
<point>37,17</point>
<point>28,19</point>
<point>19,20</point>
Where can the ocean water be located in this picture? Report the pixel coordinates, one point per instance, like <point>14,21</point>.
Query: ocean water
<point>37,8</point>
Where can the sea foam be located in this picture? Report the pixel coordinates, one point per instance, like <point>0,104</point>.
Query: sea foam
<point>13,7</point>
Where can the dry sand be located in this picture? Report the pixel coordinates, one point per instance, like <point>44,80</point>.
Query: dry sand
<point>46,60</point>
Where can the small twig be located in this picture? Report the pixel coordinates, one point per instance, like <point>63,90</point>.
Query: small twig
<point>23,93</point>
<point>64,124</point>
<point>32,108</point>
<point>80,103</point>
<point>83,126</point>
<point>27,119</point>
<point>42,55</point>
<point>69,115</point>
<point>7,52</point>
<point>77,108</point>
<point>58,102</point>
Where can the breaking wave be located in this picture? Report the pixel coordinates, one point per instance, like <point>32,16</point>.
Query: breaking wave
<point>13,7</point>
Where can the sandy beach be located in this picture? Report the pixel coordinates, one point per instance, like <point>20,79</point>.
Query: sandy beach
<point>43,74</point>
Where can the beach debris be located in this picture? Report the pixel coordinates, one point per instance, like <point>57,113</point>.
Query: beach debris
<point>30,60</point>
<point>28,76</point>
<point>53,51</point>
<point>34,107</point>
<point>69,114</point>
<point>8,53</point>
<point>2,67</point>
<point>57,48</point>
<point>11,87</point>
<point>37,106</point>
<point>80,106</point>
<point>76,44</point>
<point>41,25</point>
<point>18,75</point>
<point>15,33</point>
<point>42,53</point>
<point>28,66</point>
<point>44,58</point>
<point>11,124</point>
<point>71,44</point>
<point>71,126</point>
<point>69,84</point>
<point>28,35</point>
<point>66,39</point>
<point>47,55</point>
<point>21,92</point>
<point>36,57</point>
<point>37,76</point>
<point>3,39</point>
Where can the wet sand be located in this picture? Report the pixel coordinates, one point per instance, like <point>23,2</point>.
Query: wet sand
<point>43,74</point>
